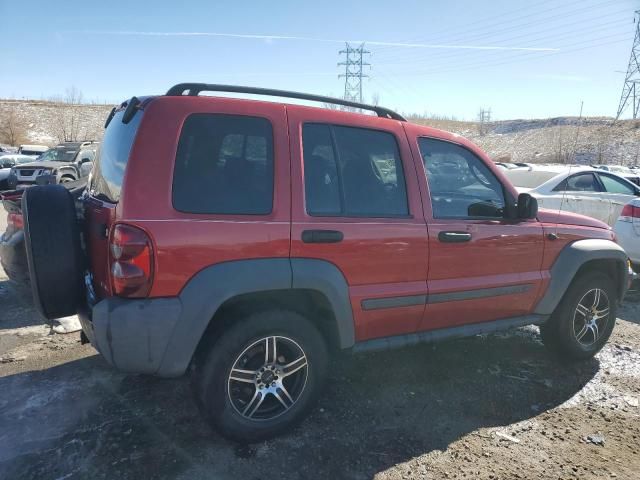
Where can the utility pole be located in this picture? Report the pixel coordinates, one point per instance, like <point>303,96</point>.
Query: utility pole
<point>484,117</point>
<point>353,71</point>
<point>630,91</point>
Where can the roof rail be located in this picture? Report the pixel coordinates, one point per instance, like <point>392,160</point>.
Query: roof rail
<point>194,89</point>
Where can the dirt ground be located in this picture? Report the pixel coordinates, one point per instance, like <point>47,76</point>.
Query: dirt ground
<point>490,407</point>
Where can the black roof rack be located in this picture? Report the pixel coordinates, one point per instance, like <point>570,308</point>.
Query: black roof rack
<point>194,89</point>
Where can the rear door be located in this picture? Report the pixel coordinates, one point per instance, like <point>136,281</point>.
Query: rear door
<point>359,184</point>
<point>482,265</point>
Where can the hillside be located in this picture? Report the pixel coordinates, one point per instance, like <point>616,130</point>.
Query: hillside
<point>593,140</point>
<point>599,140</point>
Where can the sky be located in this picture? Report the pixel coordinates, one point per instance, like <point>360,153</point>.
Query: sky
<point>521,59</point>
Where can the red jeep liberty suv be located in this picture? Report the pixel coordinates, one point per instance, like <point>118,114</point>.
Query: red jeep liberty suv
<point>249,241</point>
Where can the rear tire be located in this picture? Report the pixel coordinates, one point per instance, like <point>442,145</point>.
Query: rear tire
<point>249,394</point>
<point>583,321</point>
<point>52,241</point>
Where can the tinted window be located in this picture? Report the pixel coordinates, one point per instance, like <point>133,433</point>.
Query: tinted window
<point>581,182</point>
<point>352,172</point>
<point>112,157</point>
<point>615,185</point>
<point>460,184</point>
<point>224,165</point>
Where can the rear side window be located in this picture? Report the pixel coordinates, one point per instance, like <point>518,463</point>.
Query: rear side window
<point>582,182</point>
<point>112,157</point>
<point>224,165</point>
<point>354,172</point>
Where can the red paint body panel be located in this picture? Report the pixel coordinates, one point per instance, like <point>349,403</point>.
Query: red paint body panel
<point>495,256</point>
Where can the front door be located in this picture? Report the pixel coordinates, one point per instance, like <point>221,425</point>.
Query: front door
<point>482,265</point>
<point>356,205</point>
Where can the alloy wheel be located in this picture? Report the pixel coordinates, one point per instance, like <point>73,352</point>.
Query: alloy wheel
<point>591,316</point>
<point>267,378</point>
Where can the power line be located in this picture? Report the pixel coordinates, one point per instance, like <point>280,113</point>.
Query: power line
<point>557,32</point>
<point>353,71</point>
<point>595,42</point>
<point>632,78</point>
<point>490,30</point>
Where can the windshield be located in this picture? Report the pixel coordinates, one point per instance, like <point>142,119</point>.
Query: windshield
<point>58,155</point>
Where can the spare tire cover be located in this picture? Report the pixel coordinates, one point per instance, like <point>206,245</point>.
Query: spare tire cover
<point>54,256</point>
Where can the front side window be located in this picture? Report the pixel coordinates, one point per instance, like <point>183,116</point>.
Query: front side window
<point>460,184</point>
<point>581,182</point>
<point>354,172</point>
<point>615,185</point>
<point>224,165</point>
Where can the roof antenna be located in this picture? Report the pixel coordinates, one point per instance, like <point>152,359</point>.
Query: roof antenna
<point>571,157</point>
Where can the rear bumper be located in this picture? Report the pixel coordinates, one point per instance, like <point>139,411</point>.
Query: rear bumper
<point>629,239</point>
<point>133,335</point>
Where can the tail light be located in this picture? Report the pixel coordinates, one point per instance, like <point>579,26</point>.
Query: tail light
<point>15,220</point>
<point>629,213</point>
<point>131,261</point>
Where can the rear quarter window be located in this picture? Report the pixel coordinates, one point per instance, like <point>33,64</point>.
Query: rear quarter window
<point>224,165</point>
<point>112,157</point>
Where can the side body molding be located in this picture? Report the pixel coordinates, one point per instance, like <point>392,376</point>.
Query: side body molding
<point>211,287</point>
<point>569,261</point>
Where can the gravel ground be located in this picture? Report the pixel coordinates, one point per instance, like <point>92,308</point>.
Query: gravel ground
<point>484,408</point>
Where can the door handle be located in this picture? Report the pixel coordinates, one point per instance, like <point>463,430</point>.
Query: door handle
<point>454,237</point>
<point>322,236</point>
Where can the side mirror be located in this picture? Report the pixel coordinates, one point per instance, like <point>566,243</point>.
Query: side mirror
<point>527,206</point>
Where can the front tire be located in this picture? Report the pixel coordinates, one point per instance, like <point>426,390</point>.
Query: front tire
<point>262,375</point>
<point>583,321</point>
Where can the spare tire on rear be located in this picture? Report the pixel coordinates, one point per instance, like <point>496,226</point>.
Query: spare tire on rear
<point>54,256</point>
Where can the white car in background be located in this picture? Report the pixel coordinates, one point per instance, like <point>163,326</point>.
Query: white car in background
<point>627,230</point>
<point>584,190</point>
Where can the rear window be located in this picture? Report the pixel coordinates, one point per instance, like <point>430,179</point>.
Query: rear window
<point>224,165</point>
<point>112,157</point>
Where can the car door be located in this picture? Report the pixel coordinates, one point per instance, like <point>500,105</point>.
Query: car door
<point>581,193</point>
<point>356,205</point>
<point>619,192</point>
<point>482,265</point>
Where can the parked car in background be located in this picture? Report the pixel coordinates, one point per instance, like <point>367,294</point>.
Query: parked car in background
<point>584,190</point>
<point>627,229</point>
<point>249,242</point>
<point>6,163</point>
<point>66,162</point>
<point>32,150</point>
